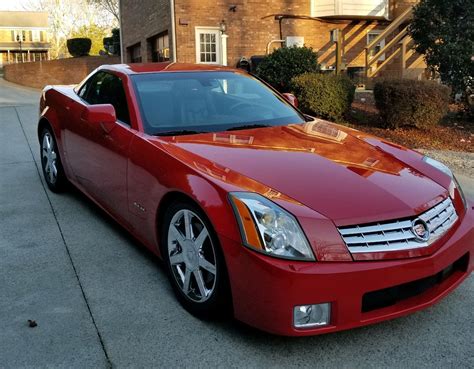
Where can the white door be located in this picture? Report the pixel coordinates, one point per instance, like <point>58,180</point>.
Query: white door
<point>208,45</point>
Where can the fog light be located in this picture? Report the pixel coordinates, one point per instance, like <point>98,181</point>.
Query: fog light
<point>307,316</point>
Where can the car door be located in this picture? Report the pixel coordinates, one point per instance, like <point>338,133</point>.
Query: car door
<point>98,154</point>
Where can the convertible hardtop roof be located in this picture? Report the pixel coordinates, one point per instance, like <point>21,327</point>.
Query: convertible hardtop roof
<point>138,68</point>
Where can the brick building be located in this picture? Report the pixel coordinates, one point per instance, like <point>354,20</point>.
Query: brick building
<point>23,36</point>
<point>224,31</point>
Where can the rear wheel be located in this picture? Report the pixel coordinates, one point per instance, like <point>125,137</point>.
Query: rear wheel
<point>194,260</point>
<point>51,162</point>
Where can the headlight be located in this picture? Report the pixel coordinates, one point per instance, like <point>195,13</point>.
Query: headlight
<point>454,183</point>
<point>438,165</point>
<point>268,228</point>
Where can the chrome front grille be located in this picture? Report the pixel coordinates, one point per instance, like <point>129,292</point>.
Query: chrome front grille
<point>398,235</point>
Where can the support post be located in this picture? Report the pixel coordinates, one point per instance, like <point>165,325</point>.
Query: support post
<point>367,63</point>
<point>403,57</point>
<point>339,49</point>
<point>224,38</point>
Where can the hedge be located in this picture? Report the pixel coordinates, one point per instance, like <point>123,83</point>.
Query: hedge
<point>325,95</point>
<point>283,64</point>
<point>79,46</point>
<point>420,104</point>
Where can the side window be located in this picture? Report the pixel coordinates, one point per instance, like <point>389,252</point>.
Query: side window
<point>93,89</point>
<point>106,88</point>
<point>85,87</point>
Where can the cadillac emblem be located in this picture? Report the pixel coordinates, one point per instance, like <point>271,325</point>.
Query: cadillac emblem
<point>420,230</point>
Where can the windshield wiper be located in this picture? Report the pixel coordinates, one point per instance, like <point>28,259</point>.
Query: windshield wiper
<point>179,132</point>
<point>248,126</point>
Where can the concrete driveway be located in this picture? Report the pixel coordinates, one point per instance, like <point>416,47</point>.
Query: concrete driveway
<point>101,300</point>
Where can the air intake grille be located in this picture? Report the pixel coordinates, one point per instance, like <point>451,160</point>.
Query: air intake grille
<point>398,235</point>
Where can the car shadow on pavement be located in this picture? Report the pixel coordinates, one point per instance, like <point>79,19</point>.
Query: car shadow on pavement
<point>235,328</point>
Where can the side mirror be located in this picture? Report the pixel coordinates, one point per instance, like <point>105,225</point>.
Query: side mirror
<point>103,114</point>
<point>291,99</point>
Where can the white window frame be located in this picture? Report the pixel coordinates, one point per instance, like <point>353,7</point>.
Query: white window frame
<point>381,43</point>
<point>212,30</point>
<point>19,32</point>
<point>35,35</point>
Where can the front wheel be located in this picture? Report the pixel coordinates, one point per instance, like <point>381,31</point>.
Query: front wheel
<point>53,171</point>
<point>194,261</point>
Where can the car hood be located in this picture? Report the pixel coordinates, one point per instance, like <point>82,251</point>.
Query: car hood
<point>341,173</point>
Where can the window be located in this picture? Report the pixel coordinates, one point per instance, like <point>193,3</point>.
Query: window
<point>83,90</point>
<point>135,53</point>
<point>18,35</point>
<point>160,48</point>
<point>371,36</point>
<point>208,45</point>
<point>106,88</point>
<point>209,102</point>
<point>35,36</point>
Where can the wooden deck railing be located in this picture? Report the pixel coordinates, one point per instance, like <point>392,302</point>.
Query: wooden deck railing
<point>394,47</point>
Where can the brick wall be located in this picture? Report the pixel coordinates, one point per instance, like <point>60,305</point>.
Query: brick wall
<point>249,28</point>
<point>142,20</point>
<point>55,72</point>
<point>252,26</point>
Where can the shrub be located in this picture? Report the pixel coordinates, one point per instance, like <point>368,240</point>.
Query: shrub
<point>280,67</point>
<point>420,104</point>
<point>325,95</point>
<point>79,46</point>
<point>112,43</point>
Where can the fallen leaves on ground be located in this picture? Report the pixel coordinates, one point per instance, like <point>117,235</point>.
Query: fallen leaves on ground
<point>455,133</point>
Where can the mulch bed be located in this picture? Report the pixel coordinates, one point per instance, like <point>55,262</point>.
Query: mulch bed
<point>455,133</point>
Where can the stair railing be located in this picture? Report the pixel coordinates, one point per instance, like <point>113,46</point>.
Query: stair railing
<point>371,61</point>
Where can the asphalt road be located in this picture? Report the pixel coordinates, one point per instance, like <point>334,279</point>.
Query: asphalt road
<point>101,300</point>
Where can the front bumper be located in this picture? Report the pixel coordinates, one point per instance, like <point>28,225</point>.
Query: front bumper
<point>265,290</point>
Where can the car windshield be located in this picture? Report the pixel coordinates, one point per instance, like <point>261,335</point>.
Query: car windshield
<point>194,102</point>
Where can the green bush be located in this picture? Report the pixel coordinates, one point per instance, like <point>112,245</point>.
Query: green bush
<point>280,67</point>
<point>112,43</point>
<point>325,95</point>
<point>79,46</point>
<point>420,104</point>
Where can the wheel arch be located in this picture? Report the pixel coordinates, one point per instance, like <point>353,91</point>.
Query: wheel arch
<point>175,196</point>
<point>168,199</point>
<point>42,124</point>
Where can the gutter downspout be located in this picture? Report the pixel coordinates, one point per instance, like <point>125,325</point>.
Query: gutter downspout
<point>121,36</point>
<point>173,30</point>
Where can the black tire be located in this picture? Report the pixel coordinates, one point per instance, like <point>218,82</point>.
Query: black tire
<point>50,156</point>
<point>218,303</point>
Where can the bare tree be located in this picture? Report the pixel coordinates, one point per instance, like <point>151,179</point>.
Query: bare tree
<point>67,16</point>
<point>110,6</point>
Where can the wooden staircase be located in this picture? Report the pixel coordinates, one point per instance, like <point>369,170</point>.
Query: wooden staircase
<point>398,58</point>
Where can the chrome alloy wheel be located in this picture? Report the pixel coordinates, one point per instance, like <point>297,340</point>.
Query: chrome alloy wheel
<point>49,158</point>
<point>192,256</point>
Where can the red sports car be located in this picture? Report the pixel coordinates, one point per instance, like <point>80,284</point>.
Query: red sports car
<point>296,225</point>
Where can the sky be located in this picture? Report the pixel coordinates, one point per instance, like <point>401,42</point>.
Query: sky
<point>16,4</point>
